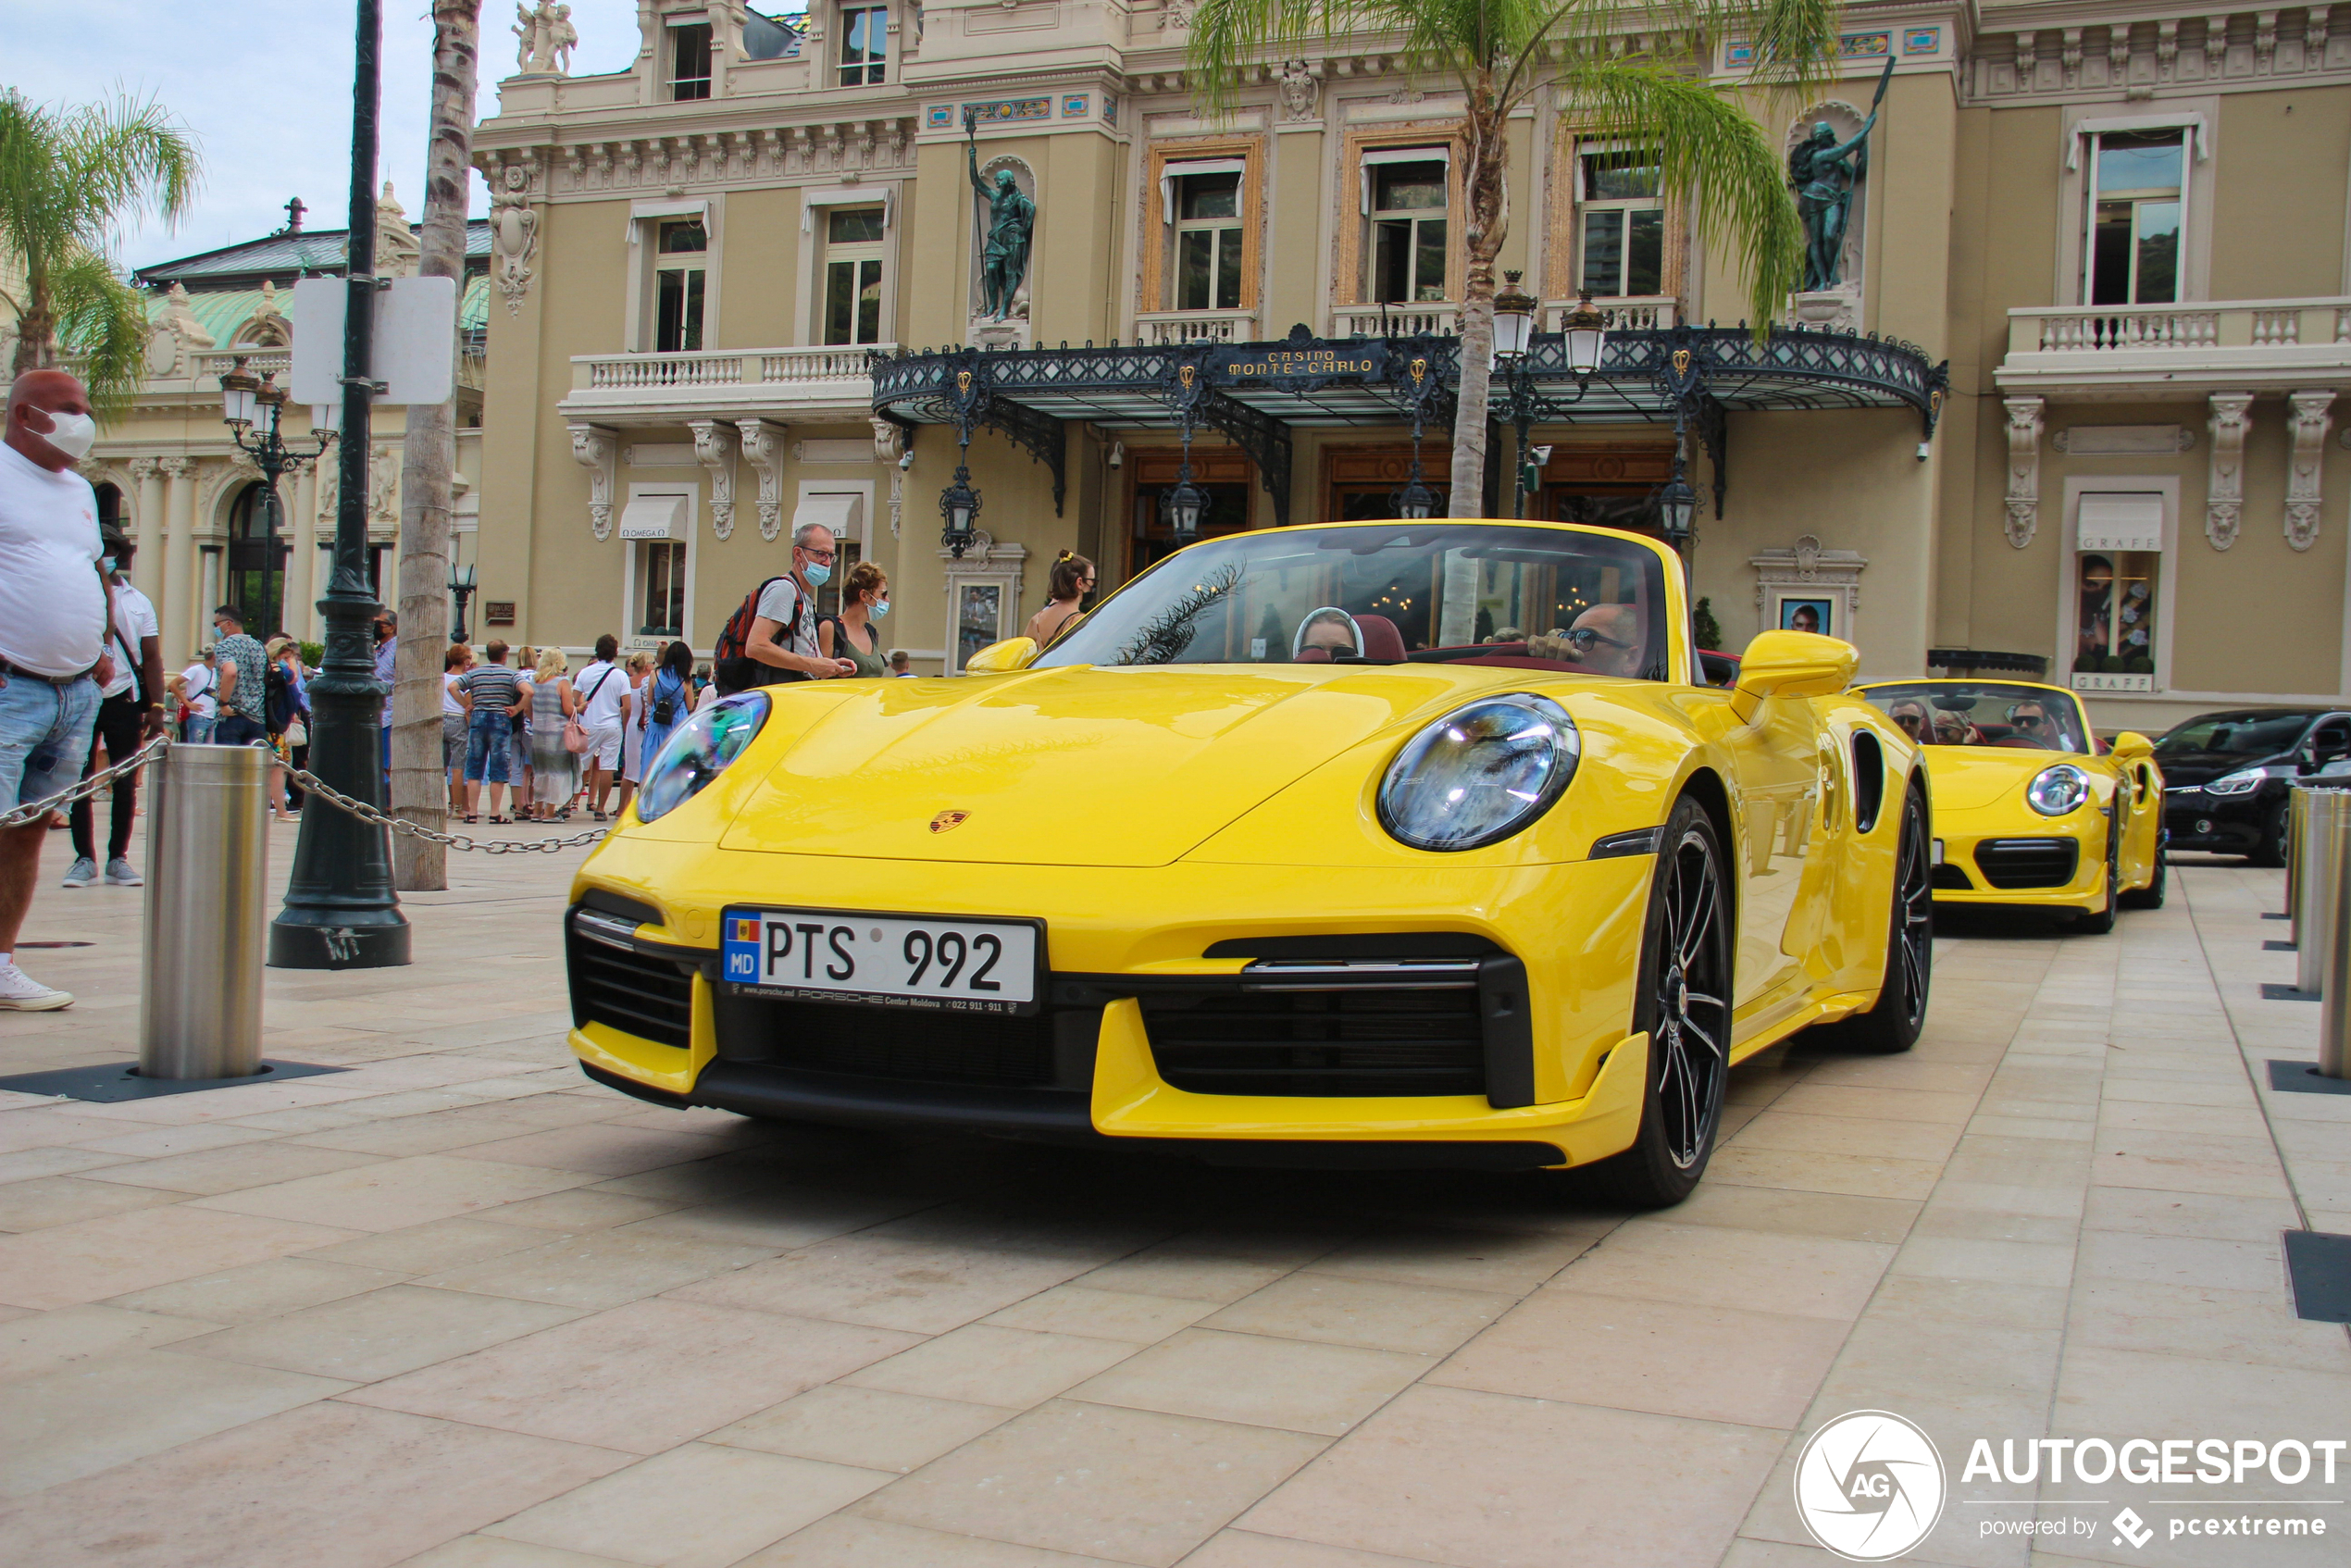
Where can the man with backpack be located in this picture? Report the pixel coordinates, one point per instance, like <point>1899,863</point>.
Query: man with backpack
<point>771,636</point>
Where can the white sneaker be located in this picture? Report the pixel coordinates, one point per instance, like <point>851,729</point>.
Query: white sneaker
<point>119,875</point>
<point>19,992</point>
<point>83,872</point>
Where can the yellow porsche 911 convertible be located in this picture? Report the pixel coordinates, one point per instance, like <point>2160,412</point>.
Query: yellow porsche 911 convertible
<point>1408,843</point>
<point>2028,809</point>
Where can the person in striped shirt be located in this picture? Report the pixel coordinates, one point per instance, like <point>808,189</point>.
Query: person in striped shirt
<point>492,695</point>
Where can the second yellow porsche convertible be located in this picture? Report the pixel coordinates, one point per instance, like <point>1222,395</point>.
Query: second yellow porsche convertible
<point>1383,844</point>
<point>2028,808</point>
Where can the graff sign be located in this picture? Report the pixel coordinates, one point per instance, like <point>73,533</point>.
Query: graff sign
<point>1365,360</point>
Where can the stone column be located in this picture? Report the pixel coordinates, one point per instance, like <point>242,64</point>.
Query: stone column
<point>209,595</point>
<point>146,568</point>
<point>181,634</point>
<point>301,555</point>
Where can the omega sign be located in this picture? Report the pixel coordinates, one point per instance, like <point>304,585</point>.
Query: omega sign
<point>1360,361</point>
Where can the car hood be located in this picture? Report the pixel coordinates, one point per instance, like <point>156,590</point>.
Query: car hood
<point>1971,777</point>
<point>1075,767</point>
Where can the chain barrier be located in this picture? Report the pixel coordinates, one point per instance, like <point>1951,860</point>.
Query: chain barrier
<point>38,811</point>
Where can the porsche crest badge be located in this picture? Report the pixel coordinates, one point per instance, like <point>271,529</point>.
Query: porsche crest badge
<point>947,819</point>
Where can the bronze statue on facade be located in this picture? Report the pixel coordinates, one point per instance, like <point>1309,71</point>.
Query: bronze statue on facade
<point>1824,172</point>
<point>1003,257</point>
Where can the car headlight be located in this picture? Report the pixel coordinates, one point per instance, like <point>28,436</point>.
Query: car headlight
<point>2056,791</point>
<point>1479,774</point>
<point>2242,782</point>
<point>698,751</point>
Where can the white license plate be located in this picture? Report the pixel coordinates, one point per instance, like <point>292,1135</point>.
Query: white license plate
<point>896,960</point>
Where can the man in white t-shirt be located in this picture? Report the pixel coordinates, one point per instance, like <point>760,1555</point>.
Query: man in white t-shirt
<point>131,712</point>
<point>200,689</point>
<point>602,688</point>
<point>54,613</point>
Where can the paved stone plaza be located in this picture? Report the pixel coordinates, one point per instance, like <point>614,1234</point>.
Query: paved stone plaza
<point>460,1307</point>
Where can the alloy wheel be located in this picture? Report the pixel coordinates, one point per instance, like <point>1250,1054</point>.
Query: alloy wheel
<point>1693,1019</point>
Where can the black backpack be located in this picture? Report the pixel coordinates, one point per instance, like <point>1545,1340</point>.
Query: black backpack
<point>277,698</point>
<point>731,667</point>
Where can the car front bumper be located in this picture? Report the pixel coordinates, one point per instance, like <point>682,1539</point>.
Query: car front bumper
<point>2045,867</point>
<point>2223,824</point>
<point>1561,1079</point>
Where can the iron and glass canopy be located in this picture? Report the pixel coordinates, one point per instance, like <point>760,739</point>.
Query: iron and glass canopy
<point>1256,393</point>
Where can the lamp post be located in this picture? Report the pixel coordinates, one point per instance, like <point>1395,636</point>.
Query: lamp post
<point>257,405</point>
<point>959,503</point>
<point>339,911</point>
<point>1413,499</point>
<point>461,587</point>
<point>1523,405</point>
<point>1677,505</point>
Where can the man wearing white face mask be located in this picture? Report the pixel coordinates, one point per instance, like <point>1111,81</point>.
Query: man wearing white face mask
<point>55,608</point>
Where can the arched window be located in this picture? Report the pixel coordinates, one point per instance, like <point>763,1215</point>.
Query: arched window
<point>256,564</point>
<point>110,509</point>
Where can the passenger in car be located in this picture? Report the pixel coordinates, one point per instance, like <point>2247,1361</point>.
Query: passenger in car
<point>1329,629</point>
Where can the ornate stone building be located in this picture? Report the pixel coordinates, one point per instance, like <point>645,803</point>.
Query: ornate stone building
<point>173,478</point>
<point>2095,264</point>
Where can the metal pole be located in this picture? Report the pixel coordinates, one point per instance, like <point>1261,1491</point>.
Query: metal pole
<point>341,911</point>
<point>206,914</point>
<point>2297,805</point>
<point>2334,1012</point>
<point>2326,833</point>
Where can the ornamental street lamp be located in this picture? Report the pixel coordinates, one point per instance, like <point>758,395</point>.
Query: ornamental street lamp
<point>1677,505</point>
<point>341,911</point>
<point>460,587</point>
<point>257,405</point>
<point>1514,318</point>
<point>959,505</point>
<point>1586,332</point>
<point>1182,507</point>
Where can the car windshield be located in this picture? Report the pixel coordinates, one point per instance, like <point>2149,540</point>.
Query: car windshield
<point>2240,735</point>
<point>1534,598</point>
<point>1978,712</point>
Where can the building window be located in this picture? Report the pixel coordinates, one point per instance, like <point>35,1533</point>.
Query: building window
<point>853,275</point>
<point>2137,199</point>
<point>1408,210</point>
<point>1624,224</point>
<point>865,40</point>
<point>690,62</point>
<point>662,570</point>
<point>1208,242</point>
<point>845,555</point>
<point>680,275</point>
<point>256,564</point>
<point>2118,588</point>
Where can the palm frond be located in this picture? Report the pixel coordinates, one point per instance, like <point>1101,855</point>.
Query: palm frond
<point>103,323</point>
<point>1712,150</point>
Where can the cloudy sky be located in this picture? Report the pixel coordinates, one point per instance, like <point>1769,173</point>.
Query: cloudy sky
<point>266,87</point>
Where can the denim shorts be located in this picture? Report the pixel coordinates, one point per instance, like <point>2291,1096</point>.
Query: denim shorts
<point>488,748</point>
<point>45,736</point>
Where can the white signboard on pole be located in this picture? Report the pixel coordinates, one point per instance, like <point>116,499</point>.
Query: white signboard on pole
<point>415,341</point>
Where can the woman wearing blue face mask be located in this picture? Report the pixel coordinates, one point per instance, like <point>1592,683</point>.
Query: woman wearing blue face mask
<point>851,635</point>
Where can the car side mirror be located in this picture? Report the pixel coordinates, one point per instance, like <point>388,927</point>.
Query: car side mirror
<point>1002,658</point>
<point>1795,663</point>
<point>2130,746</point>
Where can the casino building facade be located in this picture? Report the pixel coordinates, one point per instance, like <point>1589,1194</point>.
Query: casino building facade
<point>2072,407</point>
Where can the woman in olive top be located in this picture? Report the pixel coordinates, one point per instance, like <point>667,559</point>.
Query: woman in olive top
<point>851,635</point>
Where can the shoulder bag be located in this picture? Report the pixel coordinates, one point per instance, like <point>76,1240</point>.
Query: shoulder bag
<point>575,736</point>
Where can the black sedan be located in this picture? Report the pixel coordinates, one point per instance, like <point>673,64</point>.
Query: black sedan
<point>2226,776</point>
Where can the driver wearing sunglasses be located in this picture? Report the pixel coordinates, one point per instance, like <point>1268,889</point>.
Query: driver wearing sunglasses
<point>1605,639</point>
<point>2033,722</point>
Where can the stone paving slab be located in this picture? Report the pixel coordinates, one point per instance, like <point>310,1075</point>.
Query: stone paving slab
<point>458,1307</point>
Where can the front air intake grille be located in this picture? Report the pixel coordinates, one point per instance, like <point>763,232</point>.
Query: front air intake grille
<point>2016,863</point>
<point>900,1044</point>
<point>1354,1040</point>
<point>628,991</point>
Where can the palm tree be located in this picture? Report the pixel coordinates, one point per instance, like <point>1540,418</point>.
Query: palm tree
<point>429,454</point>
<point>1710,149</point>
<point>68,177</point>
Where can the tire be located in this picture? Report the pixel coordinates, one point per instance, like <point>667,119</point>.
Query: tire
<point>1682,1003</point>
<point>2270,852</point>
<point>2151,896</point>
<point>2098,922</point>
<point>1897,1019</point>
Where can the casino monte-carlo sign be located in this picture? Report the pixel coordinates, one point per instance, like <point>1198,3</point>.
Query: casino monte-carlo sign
<point>1297,366</point>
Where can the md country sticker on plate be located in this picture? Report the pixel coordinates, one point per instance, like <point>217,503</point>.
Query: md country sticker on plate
<point>892,960</point>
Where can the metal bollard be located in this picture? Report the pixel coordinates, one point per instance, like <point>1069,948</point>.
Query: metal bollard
<point>2298,808</point>
<point>2334,1012</point>
<point>2326,837</point>
<point>207,913</point>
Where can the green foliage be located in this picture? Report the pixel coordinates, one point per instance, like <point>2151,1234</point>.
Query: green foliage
<point>1705,628</point>
<point>313,653</point>
<point>68,177</point>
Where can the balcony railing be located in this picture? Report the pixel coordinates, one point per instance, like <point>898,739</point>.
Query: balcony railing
<point>1628,313</point>
<point>1439,319</point>
<point>728,383</point>
<point>1162,328</point>
<point>2178,347</point>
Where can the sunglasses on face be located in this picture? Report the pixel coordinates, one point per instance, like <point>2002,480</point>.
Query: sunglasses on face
<point>1583,640</point>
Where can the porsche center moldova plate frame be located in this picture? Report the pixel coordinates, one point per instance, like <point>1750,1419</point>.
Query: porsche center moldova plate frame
<point>939,962</point>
